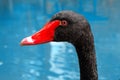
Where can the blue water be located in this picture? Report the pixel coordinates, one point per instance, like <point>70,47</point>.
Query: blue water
<point>56,61</point>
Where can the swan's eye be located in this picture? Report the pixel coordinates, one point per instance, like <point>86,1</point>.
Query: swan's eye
<point>64,23</point>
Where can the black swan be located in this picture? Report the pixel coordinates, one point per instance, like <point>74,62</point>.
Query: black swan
<point>74,28</point>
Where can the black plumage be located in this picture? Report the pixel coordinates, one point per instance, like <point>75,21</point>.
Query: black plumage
<point>78,33</point>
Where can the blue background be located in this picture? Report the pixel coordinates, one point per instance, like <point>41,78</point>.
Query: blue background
<point>56,61</point>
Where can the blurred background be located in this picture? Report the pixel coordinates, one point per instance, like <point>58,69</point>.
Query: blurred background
<point>56,61</point>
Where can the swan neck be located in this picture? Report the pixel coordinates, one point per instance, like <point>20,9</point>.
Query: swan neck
<point>87,60</point>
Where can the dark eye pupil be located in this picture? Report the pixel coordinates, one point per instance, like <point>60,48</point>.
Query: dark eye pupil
<point>64,23</point>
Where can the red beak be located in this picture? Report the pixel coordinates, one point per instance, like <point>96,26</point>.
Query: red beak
<point>46,34</point>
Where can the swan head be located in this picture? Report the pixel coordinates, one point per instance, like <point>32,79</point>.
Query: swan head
<point>63,26</point>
